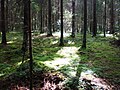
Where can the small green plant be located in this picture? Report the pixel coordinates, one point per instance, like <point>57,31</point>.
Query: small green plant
<point>72,83</point>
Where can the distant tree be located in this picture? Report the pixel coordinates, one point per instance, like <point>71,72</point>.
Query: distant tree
<point>94,19</point>
<point>112,17</point>
<point>61,37</point>
<point>58,9</point>
<point>4,42</point>
<point>91,16</point>
<point>85,24</point>
<point>41,15</point>
<point>105,19</point>
<point>6,15</point>
<point>73,18</point>
<point>49,33</point>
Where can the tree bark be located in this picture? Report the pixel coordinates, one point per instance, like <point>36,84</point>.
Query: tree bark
<point>112,18</point>
<point>85,24</point>
<point>49,33</point>
<point>4,42</point>
<point>73,18</point>
<point>61,38</point>
<point>27,17</point>
<point>105,20</point>
<point>94,19</point>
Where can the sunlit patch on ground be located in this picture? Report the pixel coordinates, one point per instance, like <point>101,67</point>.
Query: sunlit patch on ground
<point>56,34</point>
<point>69,62</point>
<point>68,52</point>
<point>69,55</point>
<point>9,42</point>
<point>54,42</point>
<point>107,35</point>
<point>71,42</point>
<point>64,34</point>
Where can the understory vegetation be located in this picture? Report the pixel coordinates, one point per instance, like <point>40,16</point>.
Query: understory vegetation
<point>101,56</point>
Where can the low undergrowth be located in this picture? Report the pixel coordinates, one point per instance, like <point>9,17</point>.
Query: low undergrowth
<point>102,58</point>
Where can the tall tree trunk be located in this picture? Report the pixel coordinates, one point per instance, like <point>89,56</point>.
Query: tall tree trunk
<point>25,30</point>
<point>49,33</point>
<point>73,18</point>
<point>58,16</point>
<point>41,20</point>
<point>6,15</point>
<point>112,18</point>
<point>91,16</point>
<point>27,23</point>
<point>105,20</point>
<point>85,24</point>
<point>61,38</point>
<point>94,19</point>
<point>4,42</point>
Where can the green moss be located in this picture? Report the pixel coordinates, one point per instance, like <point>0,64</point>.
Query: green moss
<point>100,55</point>
<point>104,58</point>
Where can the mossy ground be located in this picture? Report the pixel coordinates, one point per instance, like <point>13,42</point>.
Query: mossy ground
<point>103,58</point>
<point>100,55</point>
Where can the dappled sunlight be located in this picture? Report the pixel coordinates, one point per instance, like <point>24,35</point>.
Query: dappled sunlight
<point>69,57</point>
<point>55,34</point>
<point>1,74</point>
<point>9,42</point>
<point>68,52</point>
<point>68,64</point>
<point>55,42</point>
<point>71,42</point>
<point>58,62</point>
<point>19,63</point>
<point>107,35</point>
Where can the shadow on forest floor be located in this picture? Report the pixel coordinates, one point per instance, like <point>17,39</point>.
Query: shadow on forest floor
<point>98,64</point>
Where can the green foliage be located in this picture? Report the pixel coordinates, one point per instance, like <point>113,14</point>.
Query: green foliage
<point>11,55</point>
<point>6,69</point>
<point>72,83</point>
<point>37,67</point>
<point>44,50</point>
<point>102,58</point>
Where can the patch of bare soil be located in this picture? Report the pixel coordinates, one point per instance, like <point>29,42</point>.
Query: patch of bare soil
<point>52,81</point>
<point>41,81</point>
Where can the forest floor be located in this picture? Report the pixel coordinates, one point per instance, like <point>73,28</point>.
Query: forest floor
<point>56,67</point>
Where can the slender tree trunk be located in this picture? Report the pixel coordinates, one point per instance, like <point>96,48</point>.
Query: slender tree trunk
<point>91,16</point>
<point>4,42</point>
<point>85,24</point>
<point>25,31</point>
<point>41,21</point>
<point>112,18</point>
<point>73,18</point>
<point>105,20</point>
<point>119,19</point>
<point>58,16</point>
<point>61,38</point>
<point>6,15</point>
<point>49,19</point>
<point>27,17</point>
<point>94,19</point>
